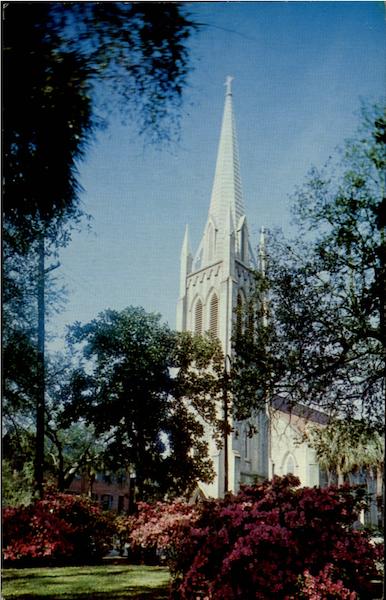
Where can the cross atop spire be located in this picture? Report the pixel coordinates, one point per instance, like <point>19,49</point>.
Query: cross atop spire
<point>228,85</point>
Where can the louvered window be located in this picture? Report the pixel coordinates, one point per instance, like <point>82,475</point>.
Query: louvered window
<point>198,317</point>
<point>213,315</point>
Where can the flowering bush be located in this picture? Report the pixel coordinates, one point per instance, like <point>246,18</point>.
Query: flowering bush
<point>61,528</point>
<point>160,528</point>
<point>274,540</point>
<point>323,587</point>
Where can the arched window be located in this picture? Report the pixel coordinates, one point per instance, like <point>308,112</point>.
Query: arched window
<point>290,466</point>
<point>198,317</point>
<point>213,315</point>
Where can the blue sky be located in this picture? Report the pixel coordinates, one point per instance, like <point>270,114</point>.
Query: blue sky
<point>300,68</point>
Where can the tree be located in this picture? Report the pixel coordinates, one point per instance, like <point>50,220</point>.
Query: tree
<point>58,59</point>
<point>71,446</point>
<point>48,121</point>
<point>151,391</point>
<point>17,475</point>
<point>345,447</point>
<point>322,339</point>
<point>71,451</point>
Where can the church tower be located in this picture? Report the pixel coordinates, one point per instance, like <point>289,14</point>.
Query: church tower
<point>214,283</point>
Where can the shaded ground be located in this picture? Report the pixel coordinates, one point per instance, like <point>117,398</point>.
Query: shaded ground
<point>102,582</point>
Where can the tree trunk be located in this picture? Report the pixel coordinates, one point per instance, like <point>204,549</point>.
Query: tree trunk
<point>381,275</point>
<point>40,388</point>
<point>91,479</point>
<point>61,478</point>
<point>340,477</point>
<point>379,482</point>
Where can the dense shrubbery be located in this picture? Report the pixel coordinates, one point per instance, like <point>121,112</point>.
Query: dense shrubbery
<point>60,528</point>
<point>324,586</point>
<point>160,528</point>
<point>274,540</point>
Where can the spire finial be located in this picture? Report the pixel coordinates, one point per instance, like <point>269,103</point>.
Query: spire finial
<point>228,85</point>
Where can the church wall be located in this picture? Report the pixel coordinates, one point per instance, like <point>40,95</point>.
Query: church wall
<point>202,285</point>
<point>287,452</point>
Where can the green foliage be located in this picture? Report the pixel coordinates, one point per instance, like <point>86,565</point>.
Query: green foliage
<point>19,332</point>
<point>71,450</point>
<point>346,446</point>
<point>71,446</point>
<point>17,460</point>
<point>323,342</point>
<point>143,390</point>
<point>17,484</point>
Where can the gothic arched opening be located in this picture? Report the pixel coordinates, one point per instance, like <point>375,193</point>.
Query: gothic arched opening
<point>198,314</point>
<point>213,315</point>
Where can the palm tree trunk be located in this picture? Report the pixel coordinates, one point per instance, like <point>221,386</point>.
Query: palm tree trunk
<point>340,477</point>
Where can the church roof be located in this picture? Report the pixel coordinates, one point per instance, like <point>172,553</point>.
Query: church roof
<point>300,410</point>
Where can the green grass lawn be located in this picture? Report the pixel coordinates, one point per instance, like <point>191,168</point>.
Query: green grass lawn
<point>102,582</point>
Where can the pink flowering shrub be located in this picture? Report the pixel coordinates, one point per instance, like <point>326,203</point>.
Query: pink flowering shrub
<point>273,540</point>
<point>161,528</point>
<point>60,528</point>
<point>323,586</point>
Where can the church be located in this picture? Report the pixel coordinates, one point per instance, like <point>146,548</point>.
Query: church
<point>213,283</point>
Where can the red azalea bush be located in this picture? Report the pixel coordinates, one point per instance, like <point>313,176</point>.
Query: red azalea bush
<point>160,528</point>
<point>273,540</point>
<point>60,528</point>
<point>324,586</point>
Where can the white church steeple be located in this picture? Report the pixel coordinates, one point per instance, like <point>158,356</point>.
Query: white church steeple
<point>219,277</point>
<point>212,286</point>
<point>226,203</point>
<point>226,191</point>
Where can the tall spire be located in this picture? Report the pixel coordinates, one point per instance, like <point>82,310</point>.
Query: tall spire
<point>226,191</point>
<point>262,252</point>
<point>186,261</point>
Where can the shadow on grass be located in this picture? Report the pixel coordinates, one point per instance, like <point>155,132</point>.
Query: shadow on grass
<point>59,574</point>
